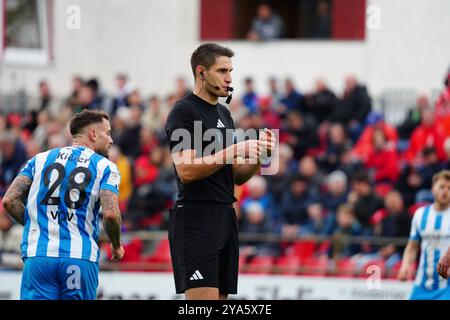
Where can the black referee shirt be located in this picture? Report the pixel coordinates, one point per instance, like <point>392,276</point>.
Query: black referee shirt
<point>218,187</point>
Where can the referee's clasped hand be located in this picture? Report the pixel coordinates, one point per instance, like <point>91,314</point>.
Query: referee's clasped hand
<point>269,137</point>
<point>249,149</point>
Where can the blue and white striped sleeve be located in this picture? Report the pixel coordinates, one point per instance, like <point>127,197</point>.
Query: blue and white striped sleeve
<point>415,225</point>
<point>111,178</point>
<point>29,169</point>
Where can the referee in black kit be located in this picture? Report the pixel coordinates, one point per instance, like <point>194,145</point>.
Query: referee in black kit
<point>203,231</point>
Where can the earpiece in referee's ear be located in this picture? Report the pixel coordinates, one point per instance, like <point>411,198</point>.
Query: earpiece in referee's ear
<point>202,75</point>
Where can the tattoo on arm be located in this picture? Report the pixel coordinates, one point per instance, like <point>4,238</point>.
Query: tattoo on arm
<point>111,216</point>
<point>15,197</point>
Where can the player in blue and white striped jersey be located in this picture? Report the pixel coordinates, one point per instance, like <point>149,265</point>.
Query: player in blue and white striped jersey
<point>63,190</point>
<point>430,232</point>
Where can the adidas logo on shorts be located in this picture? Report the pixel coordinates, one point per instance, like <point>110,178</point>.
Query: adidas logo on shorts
<point>196,276</point>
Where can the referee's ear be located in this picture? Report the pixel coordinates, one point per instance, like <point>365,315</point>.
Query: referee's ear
<point>200,72</point>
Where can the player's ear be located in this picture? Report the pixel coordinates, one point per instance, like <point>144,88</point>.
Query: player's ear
<point>92,135</point>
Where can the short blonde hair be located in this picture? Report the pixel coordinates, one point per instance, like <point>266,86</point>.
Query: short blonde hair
<point>443,174</point>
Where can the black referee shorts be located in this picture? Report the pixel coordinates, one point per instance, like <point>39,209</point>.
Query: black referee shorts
<point>204,246</point>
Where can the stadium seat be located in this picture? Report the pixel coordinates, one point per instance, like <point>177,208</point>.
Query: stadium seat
<point>160,260</point>
<point>345,267</point>
<point>152,222</point>
<point>302,249</point>
<point>242,263</point>
<point>313,266</point>
<point>260,265</point>
<point>287,265</point>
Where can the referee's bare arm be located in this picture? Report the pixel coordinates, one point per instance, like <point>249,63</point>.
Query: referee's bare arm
<point>190,170</point>
<point>112,221</point>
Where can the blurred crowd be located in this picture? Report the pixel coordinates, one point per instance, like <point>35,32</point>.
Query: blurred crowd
<point>343,170</point>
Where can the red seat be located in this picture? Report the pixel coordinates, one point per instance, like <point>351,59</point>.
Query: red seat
<point>162,251</point>
<point>287,265</point>
<point>153,221</point>
<point>160,259</point>
<point>345,267</point>
<point>302,249</point>
<point>313,266</point>
<point>260,265</point>
<point>242,263</point>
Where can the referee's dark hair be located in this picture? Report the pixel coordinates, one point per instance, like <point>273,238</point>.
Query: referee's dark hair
<point>86,117</point>
<point>205,55</point>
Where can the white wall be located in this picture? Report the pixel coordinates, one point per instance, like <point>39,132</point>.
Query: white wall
<point>412,47</point>
<point>149,40</point>
<point>152,41</point>
<point>151,285</point>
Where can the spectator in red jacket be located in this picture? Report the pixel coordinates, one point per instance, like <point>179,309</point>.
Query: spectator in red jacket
<point>364,146</point>
<point>429,133</point>
<point>383,159</point>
